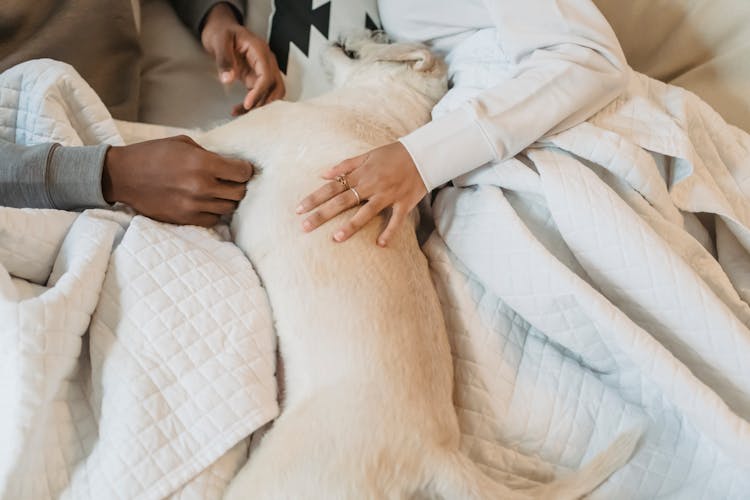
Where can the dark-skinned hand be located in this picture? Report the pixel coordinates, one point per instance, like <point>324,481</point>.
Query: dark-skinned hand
<point>242,55</point>
<point>174,180</point>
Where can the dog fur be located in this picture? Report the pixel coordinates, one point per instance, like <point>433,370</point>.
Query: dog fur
<point>368,410</point>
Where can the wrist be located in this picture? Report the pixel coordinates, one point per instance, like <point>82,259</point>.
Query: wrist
<point>219,18</point>
<point>110,183</point>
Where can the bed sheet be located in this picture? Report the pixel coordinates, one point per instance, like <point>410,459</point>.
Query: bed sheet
<point>135,357</point>
<point>599,282</point>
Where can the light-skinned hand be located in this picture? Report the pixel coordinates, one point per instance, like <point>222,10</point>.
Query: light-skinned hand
<point>385,177</point>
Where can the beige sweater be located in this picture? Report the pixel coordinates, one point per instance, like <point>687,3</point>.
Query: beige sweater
<point>97,37</point>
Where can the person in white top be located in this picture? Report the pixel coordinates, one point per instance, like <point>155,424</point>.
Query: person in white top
<point>558,62</point>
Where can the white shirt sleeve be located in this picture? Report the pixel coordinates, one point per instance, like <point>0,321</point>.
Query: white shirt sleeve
<point>567,65</point>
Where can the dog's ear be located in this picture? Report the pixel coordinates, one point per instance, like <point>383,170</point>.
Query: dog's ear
<point>418,56</point>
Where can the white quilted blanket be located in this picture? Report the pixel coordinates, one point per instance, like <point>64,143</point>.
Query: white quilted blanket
<point>584,296</point>
<point>135,357</point>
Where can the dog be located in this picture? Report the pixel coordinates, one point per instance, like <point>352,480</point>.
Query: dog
<point>368,375</point>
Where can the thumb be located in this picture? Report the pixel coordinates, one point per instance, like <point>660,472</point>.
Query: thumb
<point>225,60</point>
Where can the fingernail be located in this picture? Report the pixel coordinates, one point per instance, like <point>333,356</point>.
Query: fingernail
<point>225,77</point>
<point>300,209</point>
<point>306,225</point>
<point>339,236</point>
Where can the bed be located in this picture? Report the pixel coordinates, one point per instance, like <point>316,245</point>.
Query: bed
<point>566,332</point>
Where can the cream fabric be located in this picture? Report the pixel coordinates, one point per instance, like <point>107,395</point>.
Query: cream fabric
<point>135,356</point>
<point>701,45</point>
<point>582,295</point>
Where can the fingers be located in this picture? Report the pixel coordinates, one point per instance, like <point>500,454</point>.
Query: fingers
<point>276,91</point>
<point>257,94</point>
<point>346,167</point>
<point>203,219</point>
<point>222,167</point>
<point>226,61</point>
<point>208,212</point>
<point>398,215</point>
<point>232,191</point>
<point>218,207</point>
<point>364,215</point>
<point>255,83</point>
<point>386,176</point>
<point>175,180</point>
<point>322,195</point>
<point>264,80</point>
<point>329,210</point>
<point>203,212</point>
<point>239,109</point>
<point>260,87</point>
<point>279,89</point>
<point>241,55</point>
<point>232,169</point>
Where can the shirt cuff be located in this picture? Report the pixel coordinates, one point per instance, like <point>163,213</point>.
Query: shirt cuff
<point>22,175</point>
<point>448,147</point>
<point>74,177</point>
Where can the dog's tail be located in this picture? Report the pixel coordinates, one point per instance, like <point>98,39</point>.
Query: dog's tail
<point>594,473</point>
<point>457,477</point>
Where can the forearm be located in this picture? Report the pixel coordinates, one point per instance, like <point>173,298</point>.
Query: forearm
<point>193,12</point>
<point>565,64</point>
<point>501,122</point>
<point>51,176</point>
<point>554,89</point>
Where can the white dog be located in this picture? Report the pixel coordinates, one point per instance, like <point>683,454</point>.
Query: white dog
<point>368,409</point>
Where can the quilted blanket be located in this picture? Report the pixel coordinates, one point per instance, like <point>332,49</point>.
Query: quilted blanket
<point>135,357</point>
<point>601,281</point>
<point>598,282</point>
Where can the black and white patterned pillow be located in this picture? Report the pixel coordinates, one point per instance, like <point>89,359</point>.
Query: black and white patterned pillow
<point>299,31</point>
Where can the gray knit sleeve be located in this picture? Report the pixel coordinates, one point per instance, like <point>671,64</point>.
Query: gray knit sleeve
<point>193,12</point>
<point>51,176</point>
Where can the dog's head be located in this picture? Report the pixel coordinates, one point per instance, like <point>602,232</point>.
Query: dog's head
<point>371,58</point>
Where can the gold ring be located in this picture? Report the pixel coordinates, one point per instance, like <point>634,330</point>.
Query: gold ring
<point>341,179</point>
<point>356,194</point>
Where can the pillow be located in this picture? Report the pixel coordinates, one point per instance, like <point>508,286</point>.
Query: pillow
<point>701,45</point>
<point>299,31</point>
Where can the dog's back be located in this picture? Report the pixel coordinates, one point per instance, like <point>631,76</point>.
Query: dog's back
<point>368,408</point>
<point>368,372</point>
